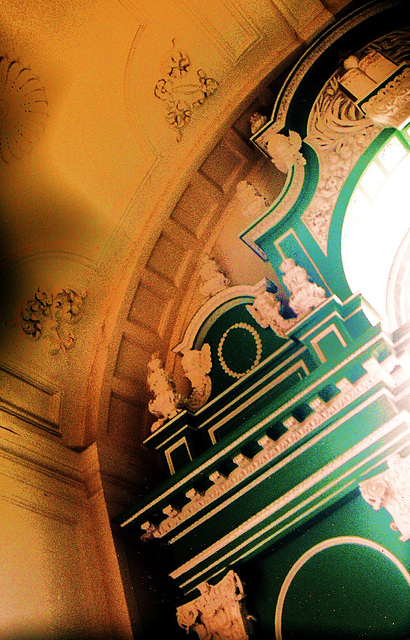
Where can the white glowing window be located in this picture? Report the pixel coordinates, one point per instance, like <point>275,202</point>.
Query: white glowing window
<point>391,154</point>
<point>376,221</point>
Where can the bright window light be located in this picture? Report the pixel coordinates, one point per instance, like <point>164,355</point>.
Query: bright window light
<point>376,221</point>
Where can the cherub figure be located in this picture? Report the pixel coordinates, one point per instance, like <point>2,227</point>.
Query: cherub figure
<point>165,403</point>
<point>266,311</point>
<point>197,363</point>
<point>284,150</point>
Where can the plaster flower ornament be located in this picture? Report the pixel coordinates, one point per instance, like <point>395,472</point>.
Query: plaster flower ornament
<point>51,316</point>
<point>257,121</point>
<point>180,94</point>
<point>284,151</point>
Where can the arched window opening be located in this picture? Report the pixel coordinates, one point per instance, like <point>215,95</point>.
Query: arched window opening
<point>376,222</point>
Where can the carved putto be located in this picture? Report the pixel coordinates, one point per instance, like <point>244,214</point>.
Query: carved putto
<point>217,614</point>
<point>391,490</point>
<point>253,203</point>
<point>305,295</point>
<point>166,401</point>
<point>284,151</point>
<point>213,280</point>
<point>197,364</point>
<point>265,309</point>
<point>51,316</point>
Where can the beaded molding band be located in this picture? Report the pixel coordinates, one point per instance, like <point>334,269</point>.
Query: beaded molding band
<point>255,334</point>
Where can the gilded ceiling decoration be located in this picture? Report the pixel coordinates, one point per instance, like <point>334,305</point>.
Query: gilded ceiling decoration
<point>23,109</point>
<point>179,94</point>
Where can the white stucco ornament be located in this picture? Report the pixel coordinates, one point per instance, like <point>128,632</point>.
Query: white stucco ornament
<point>305,295</point>
<point>253,203</point>
<point>213,280</point>
<point>391,490</point>
<point>257,121</point>
<point>284,151</point>
<point>197,364</point>
<point>217,614</point>
<point>265,309</point>
<point>165,403</point>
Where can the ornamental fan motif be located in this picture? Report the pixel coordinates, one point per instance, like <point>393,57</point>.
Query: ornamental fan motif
<point>23,109</point>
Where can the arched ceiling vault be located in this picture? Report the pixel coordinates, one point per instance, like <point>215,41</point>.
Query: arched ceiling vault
<point>107,207</point>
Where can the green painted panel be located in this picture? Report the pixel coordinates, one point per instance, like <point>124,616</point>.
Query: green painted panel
<point>319,588</point>
<point>347,591</point>
<point>237,343</point>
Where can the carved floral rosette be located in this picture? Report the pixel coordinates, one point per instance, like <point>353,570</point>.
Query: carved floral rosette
<point>181,97</point>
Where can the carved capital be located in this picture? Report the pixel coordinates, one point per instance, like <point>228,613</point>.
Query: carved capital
<point>391,490</point>
<point>218,613</point>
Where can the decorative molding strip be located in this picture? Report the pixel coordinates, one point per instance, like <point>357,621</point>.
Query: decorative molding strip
<point>28,398</point>
<point>50,315</point>
<point>246,467</point>
<point>286,498</point>
<point>180,97</point>
<point>23,109</point>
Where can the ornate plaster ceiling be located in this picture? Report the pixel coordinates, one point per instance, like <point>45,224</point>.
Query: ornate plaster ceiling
<point>103,198</point>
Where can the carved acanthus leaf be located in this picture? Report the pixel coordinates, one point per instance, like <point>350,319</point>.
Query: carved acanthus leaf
<point>217,614</point>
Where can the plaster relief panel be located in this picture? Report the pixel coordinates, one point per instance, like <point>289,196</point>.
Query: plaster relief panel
<point>197,205</point>
<point>132,361</point>
<point>181,89</point>
<point>126,420</point>
<point>23,109</point>
<point>147,308</point>
<point>225,162</point>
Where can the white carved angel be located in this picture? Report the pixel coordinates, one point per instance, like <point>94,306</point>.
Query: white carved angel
<point>266,311</point>
<point>197,364</point>
<point>213,280</point>
<point>165,403</point>
<point>284,150</point>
